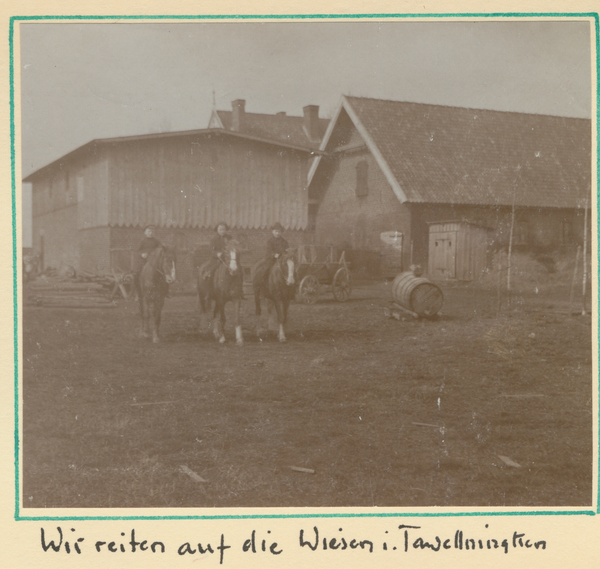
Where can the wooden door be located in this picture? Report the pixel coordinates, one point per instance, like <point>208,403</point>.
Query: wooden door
<point>442,255</point>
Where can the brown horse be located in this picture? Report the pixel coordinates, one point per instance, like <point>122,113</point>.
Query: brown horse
<point>279,288</point>
<point>156,275</point>
<point>225,285</point>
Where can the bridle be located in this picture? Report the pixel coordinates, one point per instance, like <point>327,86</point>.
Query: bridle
<point>227,265</point>
<point>159,264</point>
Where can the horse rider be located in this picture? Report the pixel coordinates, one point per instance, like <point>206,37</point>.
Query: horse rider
<point>276,246</point>
<point>217,248</point>
<point>147,245</point>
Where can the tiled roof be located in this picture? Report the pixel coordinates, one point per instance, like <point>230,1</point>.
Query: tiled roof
<point>282,128</point>
<point>440,154</point>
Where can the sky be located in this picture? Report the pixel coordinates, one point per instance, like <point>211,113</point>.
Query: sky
<point>80,82</point>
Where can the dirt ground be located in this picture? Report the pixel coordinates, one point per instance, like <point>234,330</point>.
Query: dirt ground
<point>385,412</point>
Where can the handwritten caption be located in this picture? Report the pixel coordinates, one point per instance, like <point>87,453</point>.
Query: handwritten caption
<point>403,539</point>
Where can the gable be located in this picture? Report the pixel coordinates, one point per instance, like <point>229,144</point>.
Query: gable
<point>345,135</point>
<point>215,121</point>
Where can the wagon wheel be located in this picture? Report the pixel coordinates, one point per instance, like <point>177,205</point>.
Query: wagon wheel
<point>342,285</point>
<point>309,289</point>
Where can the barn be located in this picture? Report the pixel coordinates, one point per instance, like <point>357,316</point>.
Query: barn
<point>409,170</point>
<point>247,169</point>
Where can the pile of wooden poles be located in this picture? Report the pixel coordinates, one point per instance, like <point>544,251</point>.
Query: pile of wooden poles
<point>83,291</point>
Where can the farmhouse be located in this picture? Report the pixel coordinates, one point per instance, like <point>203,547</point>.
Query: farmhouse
<point>247,169</point>
<point>436,185</point>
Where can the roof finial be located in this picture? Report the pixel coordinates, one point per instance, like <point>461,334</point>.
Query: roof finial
<point>214,100</point>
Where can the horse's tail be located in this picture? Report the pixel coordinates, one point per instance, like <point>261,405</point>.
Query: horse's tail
<point>256,289</point>
<point>201,289</point>
<point>258,284</point>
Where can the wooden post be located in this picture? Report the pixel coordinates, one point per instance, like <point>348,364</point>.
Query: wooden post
<point>510,240</point>
<point>574,280</point>
<point>499,258</point>
<point>583,297</point>
<point>42,253</point>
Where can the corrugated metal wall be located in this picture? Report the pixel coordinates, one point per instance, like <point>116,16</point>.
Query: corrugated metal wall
<point>67,197</point>
<point>197,181</point>
<point>94,254</point>
<point>58,231</point>
<point>89,183</point>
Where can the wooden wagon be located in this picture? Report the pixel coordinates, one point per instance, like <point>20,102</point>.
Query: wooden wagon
<point>318,269</point>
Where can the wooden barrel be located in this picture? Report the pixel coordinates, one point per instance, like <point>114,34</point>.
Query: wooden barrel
<point>417,294</point>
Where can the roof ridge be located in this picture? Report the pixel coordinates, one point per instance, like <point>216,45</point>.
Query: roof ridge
<point>519,113</point>
<point>273,115</point>
<point>266,115</point>
<point>158,135</point>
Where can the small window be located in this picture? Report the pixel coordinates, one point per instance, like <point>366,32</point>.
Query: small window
<point>362,175</point>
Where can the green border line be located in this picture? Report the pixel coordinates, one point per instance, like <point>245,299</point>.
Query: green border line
<point>313,516</point>
<point>14,258</point>
<point>314,16</point>
<point>14,19</point>
<point>597,26</point>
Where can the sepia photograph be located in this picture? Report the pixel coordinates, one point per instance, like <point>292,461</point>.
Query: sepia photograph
<point>307,264</point>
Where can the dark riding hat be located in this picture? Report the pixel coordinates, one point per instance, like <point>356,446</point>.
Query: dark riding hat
<point>277,226</point>
<point>150,226</point>
<point>223,224</point>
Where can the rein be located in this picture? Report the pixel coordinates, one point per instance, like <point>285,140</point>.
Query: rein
<point>156,268</point>
<point>279,261</point>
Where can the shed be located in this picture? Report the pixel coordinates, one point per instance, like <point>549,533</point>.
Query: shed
<point>457,250</point>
